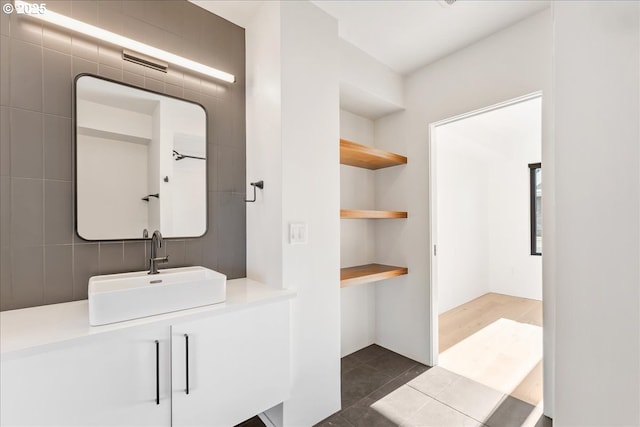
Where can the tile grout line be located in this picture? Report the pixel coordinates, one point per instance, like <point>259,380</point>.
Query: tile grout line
<point>392,379</point>
<point>344,419</point>
<point>43,171</point>
<point>381,386</point>
<point>446,404</point>
<point>407,384</point>
<point>406,420</point>
<point>11,240</point>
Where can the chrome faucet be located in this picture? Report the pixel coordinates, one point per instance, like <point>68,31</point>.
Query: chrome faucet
<point>156,243</point>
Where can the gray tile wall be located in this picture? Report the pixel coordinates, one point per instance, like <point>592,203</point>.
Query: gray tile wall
<point>43,261</point>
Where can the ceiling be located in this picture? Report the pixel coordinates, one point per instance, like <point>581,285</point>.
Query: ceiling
<point>240,12</point>
<point>407,35</point>
<point>403,35</point>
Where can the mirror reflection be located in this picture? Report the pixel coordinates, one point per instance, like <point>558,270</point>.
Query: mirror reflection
<point>140,162</point>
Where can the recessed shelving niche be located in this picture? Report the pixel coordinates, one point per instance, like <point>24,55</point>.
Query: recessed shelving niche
<point>362,156</point>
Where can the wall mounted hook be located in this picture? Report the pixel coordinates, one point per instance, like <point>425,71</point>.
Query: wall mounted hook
<point>258,184</point>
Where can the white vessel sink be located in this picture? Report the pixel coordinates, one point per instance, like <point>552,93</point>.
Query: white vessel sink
<point>126,296</point>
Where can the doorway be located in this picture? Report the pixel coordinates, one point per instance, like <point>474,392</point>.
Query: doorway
<point>486,259</point>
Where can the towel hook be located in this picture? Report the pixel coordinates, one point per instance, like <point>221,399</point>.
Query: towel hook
<point>260,185</point>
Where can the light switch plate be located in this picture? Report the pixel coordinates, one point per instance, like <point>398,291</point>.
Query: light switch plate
<point>298,233</point>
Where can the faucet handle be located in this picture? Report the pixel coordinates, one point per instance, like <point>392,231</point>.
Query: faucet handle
<point>161,260</point>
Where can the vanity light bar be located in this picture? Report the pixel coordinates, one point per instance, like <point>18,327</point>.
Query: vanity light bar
<point>124,42</point>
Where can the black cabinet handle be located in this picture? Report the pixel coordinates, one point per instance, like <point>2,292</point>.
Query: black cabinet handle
<point>186,352</point>
<point>157,372</point>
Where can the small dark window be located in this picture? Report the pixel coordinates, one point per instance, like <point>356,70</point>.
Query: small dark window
<point>535,197</point>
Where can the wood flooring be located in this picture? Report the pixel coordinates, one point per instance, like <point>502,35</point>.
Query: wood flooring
<point>468,319</point>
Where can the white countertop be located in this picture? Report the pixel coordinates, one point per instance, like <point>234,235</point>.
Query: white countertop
<point>40,328</point>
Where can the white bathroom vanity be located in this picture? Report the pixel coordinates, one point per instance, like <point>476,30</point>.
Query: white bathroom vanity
<point>215,365</point>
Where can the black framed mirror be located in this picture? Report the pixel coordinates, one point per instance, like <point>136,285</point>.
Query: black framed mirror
<point>140,162</point>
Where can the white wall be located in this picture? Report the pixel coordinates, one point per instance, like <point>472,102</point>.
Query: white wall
<point>463,219</point>
<point>368,87</point>
<point>311,194</point>
<point>112,119</point>
<point>183,199</point>
<point>359,69</point>
<point>103,137</point>
<point>189,187</point>
<point>153,170</point>
<point>357,240</point>
<point>513,270</point>
<point>506,65</point>
<point>264,152</point>
<point>264,146</point>
<point>597,149</point>
<point>292,57</point>
<point>483,210</point>
<point>164,145</point>
<point>107,212</point>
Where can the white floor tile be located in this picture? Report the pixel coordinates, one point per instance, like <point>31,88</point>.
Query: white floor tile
<point>401,404</point>
<point>436,414</point>
<point>434,381</point>
<point>471,398</point>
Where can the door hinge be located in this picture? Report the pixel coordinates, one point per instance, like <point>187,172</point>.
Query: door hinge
<point>435,250</point>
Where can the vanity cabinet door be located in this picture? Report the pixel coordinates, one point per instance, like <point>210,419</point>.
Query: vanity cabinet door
<point>104,380</point>
<point>237,366</point>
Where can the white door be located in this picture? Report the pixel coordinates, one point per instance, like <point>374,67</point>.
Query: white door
<point>110,379</point>
<point>237,366</point>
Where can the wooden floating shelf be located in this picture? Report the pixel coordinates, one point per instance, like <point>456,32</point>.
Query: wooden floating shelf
<point>360,274</point>
<point>354,154</point>
<point>369,214</point>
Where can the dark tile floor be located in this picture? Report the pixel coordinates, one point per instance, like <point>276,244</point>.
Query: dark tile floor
<point>373,372</point>
<point>368,375</point>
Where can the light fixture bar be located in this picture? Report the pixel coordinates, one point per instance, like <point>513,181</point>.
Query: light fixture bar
<point>124,42</point>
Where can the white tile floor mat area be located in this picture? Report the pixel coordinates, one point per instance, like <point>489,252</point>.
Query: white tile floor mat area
<point>471,385</point>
